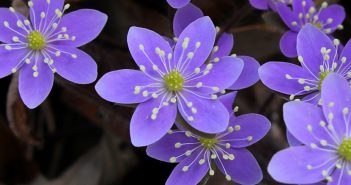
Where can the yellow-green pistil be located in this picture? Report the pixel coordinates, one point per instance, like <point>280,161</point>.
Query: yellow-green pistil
<point>36,40</point>
<point>322,76</point>
<point>174,81</point>
<point>208,143</point>
<point>318,25</point>
<point>345,149</point>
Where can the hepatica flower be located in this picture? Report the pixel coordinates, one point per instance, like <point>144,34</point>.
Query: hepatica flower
<point>319,56</point>
<point>326,18</point>
<point>325,133</point>
<point>197,155</point>
<point>169,80</point>
<point>268,4</point>
<point>223,47</point>
<point>178,3</point>
<point>46,43</point>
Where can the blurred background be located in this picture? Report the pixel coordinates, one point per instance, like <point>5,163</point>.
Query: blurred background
<point>77,138</point>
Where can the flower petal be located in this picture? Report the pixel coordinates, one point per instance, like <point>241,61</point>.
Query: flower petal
<point>119,86</point>
<point>225,45</point>
<point>40,6</point>
<point>341,176</point>
<point>310,41</point>
<point>303,120</point>
<point>302,7</point>
<point>290,165</point>
<point>222,75</point>
<point>228,100</point>
<point>248,129</point>
<point>313,98</point>
<point>85,25</point>
<point>34,90</point>
<point>144,130</point>
<point>6,33</point>
<point>336,99</point>
<point>184,16</point>
<point>346,54</point>
<point>198,38</point>
<point>249,75</point>
<point>288,44</point>
<point>194,175</point>
<point>292,139</point>
<point>287,15</point>
<point>334,12</point>
<point>142,44</point>
<point>165,148</point>
<point>178,3</point>
<point>259,4</point>
<point>80,70</point>
<point>244,169</point>
<point>283,77</point>
<point>10,59</point>
<point>211,116</point>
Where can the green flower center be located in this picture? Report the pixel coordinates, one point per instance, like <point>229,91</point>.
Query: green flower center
<point>208,143</point>
<point>322,76</point>
<point>318,25</point>
<point>345,149</point>
<point>36,40</point>
<point>174,81</point>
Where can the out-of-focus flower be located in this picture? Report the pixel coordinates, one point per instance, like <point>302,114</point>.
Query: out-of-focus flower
<point>223,47</point>
<point>326,18</point>
<point>319,56</point>
<point>197,155</point>
<point>178,3</point>
<point>169,80</point>
<point>46,44</point>
<point>268,4</point>
<point>325,133</point>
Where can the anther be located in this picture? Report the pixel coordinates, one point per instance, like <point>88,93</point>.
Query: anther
<point>30,3</point>
<point>201,161</point>
<point>172,159</point>
<point>188,134</point>
<point>177,145</point>
<point>237,127</point>
<point>12,9</point>
<point>185,43</point>
<point>216,60</point>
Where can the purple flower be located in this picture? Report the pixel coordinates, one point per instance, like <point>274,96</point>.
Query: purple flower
<point>178,3</point>
<point>171,80</point>
<point>197,155</point>
<point>319,56</point>
<point>268,4</point>
<point>223,47</point>
<point>327,19</point>
<point>325,133</point>
<point>46,44</point>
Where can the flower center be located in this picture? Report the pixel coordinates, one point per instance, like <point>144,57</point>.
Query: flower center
<point>208,143</point>
<point>318,25</point>
<point>174,81</point>
<point>345,149</point>
<point>36,40</point>
<point>322,76</point>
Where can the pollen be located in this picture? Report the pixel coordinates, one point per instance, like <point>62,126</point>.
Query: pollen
<point>345,149</point>
<point>36,40</point>
<point>174,81</point>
